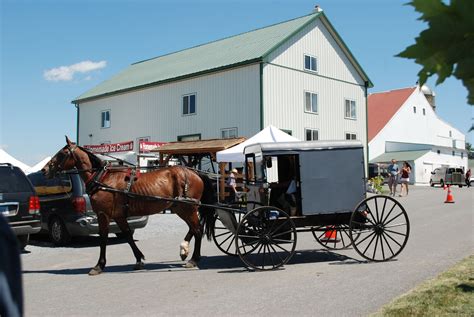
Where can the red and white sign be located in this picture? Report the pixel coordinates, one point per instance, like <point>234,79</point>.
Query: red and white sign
<point>146,146</point>
<point>111,147</point>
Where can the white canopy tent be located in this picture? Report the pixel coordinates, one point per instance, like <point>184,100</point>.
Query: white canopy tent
<point>38,166</point>
<point>7,158</point>
<point>269,134</point>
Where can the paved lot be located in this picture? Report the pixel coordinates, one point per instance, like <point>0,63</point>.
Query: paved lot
<point>316,282</point>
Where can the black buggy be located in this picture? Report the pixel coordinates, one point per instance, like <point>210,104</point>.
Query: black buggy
<point>316,186</point>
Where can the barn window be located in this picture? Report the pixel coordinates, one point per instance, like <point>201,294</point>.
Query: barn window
<point>189,104</point>
<point>311,102</point>
<point>351,136</point>
<point>414,109</point>
<point>310,63</point>
<point>105,119</point>
<point>350,109</point>
<point>424,111</point>
<point>311,134</point>
<point>228,133</point>
<point>189,137</point>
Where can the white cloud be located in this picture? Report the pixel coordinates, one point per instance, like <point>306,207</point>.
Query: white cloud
<point>66,73</point>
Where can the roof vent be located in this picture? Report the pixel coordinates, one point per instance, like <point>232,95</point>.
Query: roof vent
<point>317,8</point>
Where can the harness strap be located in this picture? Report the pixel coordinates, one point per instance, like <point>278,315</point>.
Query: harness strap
<point>186,184</point>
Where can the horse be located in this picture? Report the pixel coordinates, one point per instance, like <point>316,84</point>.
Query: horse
<point>120,192</point>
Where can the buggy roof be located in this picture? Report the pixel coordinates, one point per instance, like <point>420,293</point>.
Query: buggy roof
<point>287,147</point>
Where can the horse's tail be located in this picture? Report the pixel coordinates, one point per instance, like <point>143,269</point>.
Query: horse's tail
<point>207,212</point>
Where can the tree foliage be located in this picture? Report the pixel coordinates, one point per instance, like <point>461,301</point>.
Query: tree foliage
<point>447,47</point>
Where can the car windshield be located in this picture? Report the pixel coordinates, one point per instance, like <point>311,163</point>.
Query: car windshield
<point>13,181</point>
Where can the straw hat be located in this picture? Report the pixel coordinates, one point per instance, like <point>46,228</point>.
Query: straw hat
<point>235,171</point>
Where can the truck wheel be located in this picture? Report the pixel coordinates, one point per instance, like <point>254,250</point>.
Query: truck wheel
<point>441,183</point>
<point>58,232</point>
<point>431,183</point>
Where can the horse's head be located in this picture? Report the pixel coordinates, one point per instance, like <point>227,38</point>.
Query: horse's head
<point>66,159</point>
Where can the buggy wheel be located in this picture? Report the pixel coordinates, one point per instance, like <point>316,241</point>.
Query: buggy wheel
<point>336,237</point>
<point>225,226</point>
<point>266,238</point>
<point>379,228</point>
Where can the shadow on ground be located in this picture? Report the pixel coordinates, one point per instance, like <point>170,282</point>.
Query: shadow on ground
<point>220,263</point>
<point>76,242</point>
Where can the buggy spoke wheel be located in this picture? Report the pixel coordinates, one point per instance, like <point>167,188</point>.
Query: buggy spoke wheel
<point>334,237</point>
<point>379,228</point>
<point>223,235</point>
<point>266,238</point>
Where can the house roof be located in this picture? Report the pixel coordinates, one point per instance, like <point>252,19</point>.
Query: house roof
<point>382,106</point>
<point>399,156</point>
<point>242,49</point>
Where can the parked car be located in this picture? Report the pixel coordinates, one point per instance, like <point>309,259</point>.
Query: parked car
<point>66,210</point>
<point>19,203</point>
<point>448,176</point>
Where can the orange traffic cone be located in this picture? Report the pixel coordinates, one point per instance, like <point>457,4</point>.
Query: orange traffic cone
<point>330,234</point>
<point>449,197</point>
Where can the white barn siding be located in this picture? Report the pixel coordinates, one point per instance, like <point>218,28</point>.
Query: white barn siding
<point>223,100</point>
<point>284,104</point>
<point>285,82</point>
<point>317,41</point>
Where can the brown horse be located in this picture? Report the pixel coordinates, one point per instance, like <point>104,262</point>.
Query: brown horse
<point>118,192</point>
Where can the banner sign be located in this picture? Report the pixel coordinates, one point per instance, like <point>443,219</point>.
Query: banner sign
<point>111,147</point>
<point>146,146</point>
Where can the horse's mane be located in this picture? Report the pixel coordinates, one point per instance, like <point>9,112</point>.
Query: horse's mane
<point>95,160</point>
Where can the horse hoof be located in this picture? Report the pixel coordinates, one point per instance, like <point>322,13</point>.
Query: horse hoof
<point>190,264</point>
<point>183,257</point>
<point>139,266</point>
<point>95,271</point>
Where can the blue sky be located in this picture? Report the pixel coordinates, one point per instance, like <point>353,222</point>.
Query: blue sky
<point>94,40</point>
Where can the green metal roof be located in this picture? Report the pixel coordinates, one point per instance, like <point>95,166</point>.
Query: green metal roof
<point>242,49</point>
<point>399,156</point>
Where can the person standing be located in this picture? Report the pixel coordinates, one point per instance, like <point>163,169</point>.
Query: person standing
<point>405,178</point>
<point>393,171</point>
<point>232,185</point>
<point>468,178</point>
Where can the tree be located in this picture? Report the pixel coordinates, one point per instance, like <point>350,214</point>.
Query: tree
<point>470,151</point>
<point>447,47</point>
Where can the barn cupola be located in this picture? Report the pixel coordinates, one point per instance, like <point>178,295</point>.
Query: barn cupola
<point>430,96</point>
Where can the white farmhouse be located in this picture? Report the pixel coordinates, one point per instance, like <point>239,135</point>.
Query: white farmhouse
<point>403,125</point>
<point>297,75</point>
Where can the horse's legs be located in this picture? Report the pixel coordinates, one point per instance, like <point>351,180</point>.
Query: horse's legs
<point>190,216</point>
<point>184,246</point>
<point>104,233</point>
<point>125,228</point>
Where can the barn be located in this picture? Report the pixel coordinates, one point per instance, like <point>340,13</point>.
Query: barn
<point>404,125</point>
<point>296,75</point>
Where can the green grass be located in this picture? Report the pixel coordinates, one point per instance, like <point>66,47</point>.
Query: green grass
<point>449,294</point>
